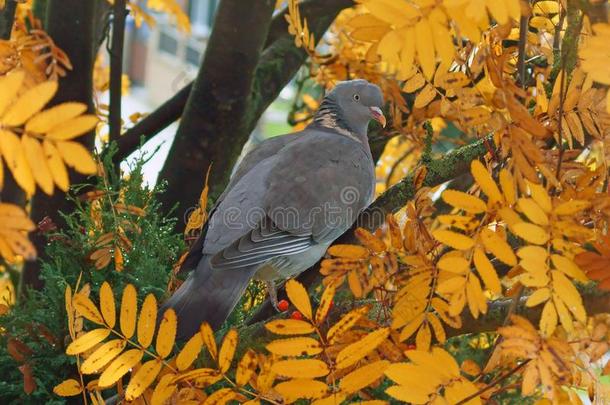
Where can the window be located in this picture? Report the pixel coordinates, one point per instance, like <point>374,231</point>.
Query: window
<point>167,43</point>
<point>201,13</point>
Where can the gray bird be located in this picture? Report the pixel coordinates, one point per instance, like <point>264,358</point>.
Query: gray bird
<point>288,200</point>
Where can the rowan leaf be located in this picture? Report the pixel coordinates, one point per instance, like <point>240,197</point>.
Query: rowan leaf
<point>326,301</point>
<point>300,388</point>
<point>302,368</point>
<point>485,181</point>
<point>289,327</point>
<point>46,120</point>
<point>246,367</point>
<point>87,341</point>
<point>531,233</point>
<point>10,85</point>
<point>142,379</point>
<point>299,297</point>
<point>189,352</point>
<point>76,156</point>
<point>166,334</point>
<point>102,356</point>
<point>486,271</point>
<point>29,103</point>
<point>348,251</point>
<point>299,346</point>
<point>363,376</point>
<point>227,351</point>
<point>207,336</point>
<point>453,239</point>
<point>498,246</point>
<point>147,320</point>
<point>354,352</point>
<point>68,388</point>
<point>107,304</point>
<point>129,311</point>
<point>35,157</point>
<point>85,307</point>
<point>466,202</point>
<point>119,367</point>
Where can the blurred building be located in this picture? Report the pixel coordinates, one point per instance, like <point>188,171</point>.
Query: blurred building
<point>162,59</point>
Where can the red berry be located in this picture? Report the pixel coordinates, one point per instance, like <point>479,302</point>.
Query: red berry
<point>411,347</point>
<point>332,304</point>
<point>296,315</point>
<point>282,305</point>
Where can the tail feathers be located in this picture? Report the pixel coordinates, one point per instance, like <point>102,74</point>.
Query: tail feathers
<point>207,295</point>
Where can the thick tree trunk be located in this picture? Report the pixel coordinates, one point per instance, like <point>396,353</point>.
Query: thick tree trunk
<point>64,19</point>
<point>237,81</point>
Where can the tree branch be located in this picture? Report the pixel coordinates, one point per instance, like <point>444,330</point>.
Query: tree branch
<point>153,123</point>
<point>7,17</point>
<point>119,13</point>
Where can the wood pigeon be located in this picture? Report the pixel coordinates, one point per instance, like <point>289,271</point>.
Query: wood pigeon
<point>288,200</point>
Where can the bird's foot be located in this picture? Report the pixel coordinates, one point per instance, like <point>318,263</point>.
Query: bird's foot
<point>272,294</point>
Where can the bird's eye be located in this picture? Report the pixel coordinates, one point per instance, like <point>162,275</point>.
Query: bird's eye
<point>357,97</point>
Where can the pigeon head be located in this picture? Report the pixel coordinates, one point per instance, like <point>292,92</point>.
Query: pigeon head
<point>349,106</point>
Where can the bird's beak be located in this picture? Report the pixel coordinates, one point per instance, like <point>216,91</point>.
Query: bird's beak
<point>377,115</point>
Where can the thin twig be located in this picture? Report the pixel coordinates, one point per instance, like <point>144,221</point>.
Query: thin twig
<point>116,68</point>
<point>523,29</point>
<point>494,382</point>
<point>562,96</point>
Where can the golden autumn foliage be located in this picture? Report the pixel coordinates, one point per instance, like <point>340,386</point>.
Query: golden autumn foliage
<point>516,250</point>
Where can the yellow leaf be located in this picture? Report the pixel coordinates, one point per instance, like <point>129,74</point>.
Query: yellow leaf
<point>483,178</point>
<point>189,352</point>
<point>424,46</point>
<point>466,202</point>
<point>414,83</point>
<point>407,53</point>
<point>454,80</point>
<point>548,319</point>
<point>325,303</point>
<point>569,268</point>
<point>85,307</point>
<point>348,251</point>
<point>569,294</point>
<point>533,253</point>
<point>486,271</point>
<point>48,119</point>
<point>531,233</point>
<point>298,388</point>
<point>451,285</point>
<point>129,311</point>
<point>227,351</point>
<point>354,352</point>
<point>453,239</point>
<point>87,341</point>
<point>532,211</point>
<point>571,207</point>
<point>75,155</point>
<point>422,381</point>
<point>246,368</point>
<point>38,164</point>
<point>564,315</point>
<point>389,47</point>
<point>345,323</point>
<point>454,264</point>
<point>538,297</point>
<point>119,367</point>
<point>508,186</point>
<point>498,10</point>
<point>163,389</point>
<point>410,328</point>
<point>440,361</point>
<point>498,247</point>
<point>540,195</point>
<point>443,40</point>
<point>147,320</point>
<point>15,159</point>
<point>167,333</point>
<point>363,376</point>
<point>207,336</point>
<point>299,297</point>
<point>423,337</point>
<point>425,96</point>
<point>107,304</point>
<point>369,240</point>
<point>74,127</point>
<point>408,394</point>
<point>437,327</point>
<point>462,389</point>
<point>10,85</point>
<point>220,397</point>
<point>101,356</point>
<point>67,388</point>
<point>305,368</point>
<point>142,379</point>
<point>56,165</point>
<point>294,346</point>
<point>289,327</point>
<point>475,297</point>
<point>29,103</point>
<point>392,11</point>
